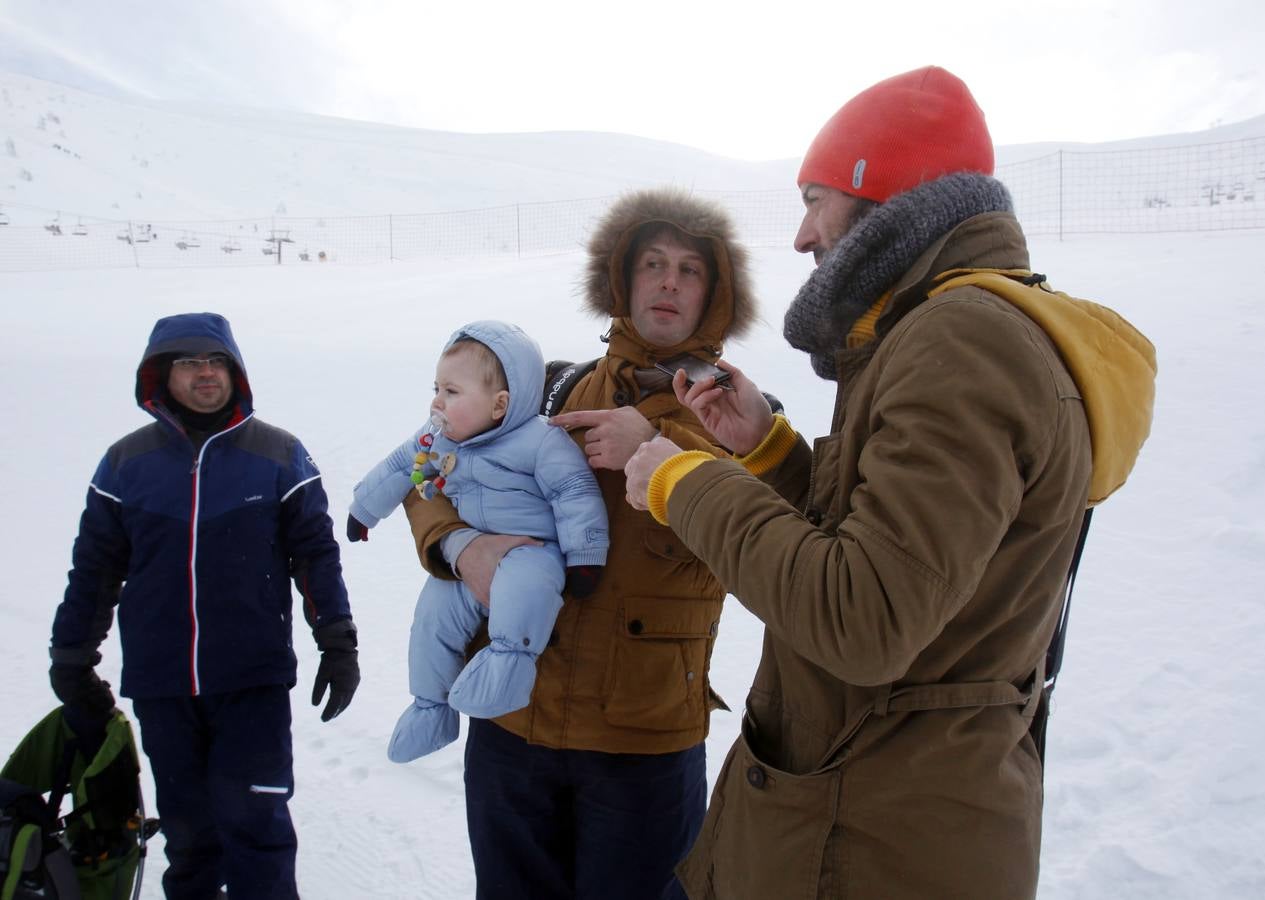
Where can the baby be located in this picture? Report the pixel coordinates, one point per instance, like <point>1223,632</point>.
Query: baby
<point>506,471</point>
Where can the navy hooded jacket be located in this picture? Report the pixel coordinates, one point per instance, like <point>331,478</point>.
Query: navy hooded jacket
<point>198,547</point>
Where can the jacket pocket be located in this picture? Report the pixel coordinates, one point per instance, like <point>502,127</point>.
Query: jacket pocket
<point>766,831</point>
<point>670,567</point>
<point>657,677</point>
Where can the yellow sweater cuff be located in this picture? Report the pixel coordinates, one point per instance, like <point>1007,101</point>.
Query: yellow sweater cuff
<point>772,450</point>
<point>664,479</point>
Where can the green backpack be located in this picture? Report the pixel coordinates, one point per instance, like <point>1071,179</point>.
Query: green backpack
<point>96,850</point>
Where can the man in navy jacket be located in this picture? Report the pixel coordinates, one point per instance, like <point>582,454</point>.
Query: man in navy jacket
<point>194,527</point>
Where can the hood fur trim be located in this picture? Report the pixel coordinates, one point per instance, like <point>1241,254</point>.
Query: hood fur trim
<point>731,310</point>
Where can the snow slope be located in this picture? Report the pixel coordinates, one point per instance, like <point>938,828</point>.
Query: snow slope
<point>100,157</point>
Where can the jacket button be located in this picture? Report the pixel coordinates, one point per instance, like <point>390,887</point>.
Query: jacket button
<point>689,676</point>
<point>715,629</point>
<point>813,516</point>
<point>755,777</point>
<point>620,398</point>
<point>635,626</point>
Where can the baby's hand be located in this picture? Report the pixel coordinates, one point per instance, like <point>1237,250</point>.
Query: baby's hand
<point>582,580</point>
<point>356,530</point>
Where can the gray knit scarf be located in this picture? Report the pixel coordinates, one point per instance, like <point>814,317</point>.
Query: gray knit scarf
<point>873,255</point>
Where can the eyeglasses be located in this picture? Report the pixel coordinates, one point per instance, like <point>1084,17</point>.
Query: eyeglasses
<point>194,363</point>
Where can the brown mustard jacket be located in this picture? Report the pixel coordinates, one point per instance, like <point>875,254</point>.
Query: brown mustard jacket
<point>626,671</point>
<point>926,542</point>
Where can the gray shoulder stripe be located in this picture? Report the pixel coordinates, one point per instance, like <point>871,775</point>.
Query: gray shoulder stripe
<point>297,486</point>
<point>104,494</point>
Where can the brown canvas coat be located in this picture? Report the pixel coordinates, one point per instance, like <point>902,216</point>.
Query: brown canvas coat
<point>909,568</point>
<point>626,671</point>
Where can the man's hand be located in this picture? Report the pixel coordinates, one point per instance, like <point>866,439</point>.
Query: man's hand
<point>613,434</point>
<point>641,466</point>
<point>738,419</point>
<point>79,687</point>
<point>477,563</point>
<point>339,669</point>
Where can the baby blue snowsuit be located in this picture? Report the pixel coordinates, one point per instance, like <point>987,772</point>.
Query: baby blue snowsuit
<point>522,477</point>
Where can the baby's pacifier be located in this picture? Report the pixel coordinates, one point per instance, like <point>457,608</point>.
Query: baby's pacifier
<point>428,487</point>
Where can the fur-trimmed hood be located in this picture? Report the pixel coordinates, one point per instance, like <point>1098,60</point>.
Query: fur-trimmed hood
<point>731,309</point>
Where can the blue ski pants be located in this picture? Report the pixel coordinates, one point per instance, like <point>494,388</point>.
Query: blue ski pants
<point>526,597</point>
<point>224,773</point>
<point>579,824</point>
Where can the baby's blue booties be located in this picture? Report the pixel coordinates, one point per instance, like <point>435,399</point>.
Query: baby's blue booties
<point>423,728</point>
<point>498,680</point>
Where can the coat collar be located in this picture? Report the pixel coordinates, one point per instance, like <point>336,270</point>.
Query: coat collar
<point>989,240</point>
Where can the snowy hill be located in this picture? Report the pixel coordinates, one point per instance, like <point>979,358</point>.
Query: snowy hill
<point>103,157</point>
<point>116,156</point>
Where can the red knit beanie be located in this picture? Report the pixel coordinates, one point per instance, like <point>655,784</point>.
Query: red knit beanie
<point>899,133</point>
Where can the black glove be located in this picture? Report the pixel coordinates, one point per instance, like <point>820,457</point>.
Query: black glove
<point>356,530</point>
<point>582,580</point>
<point>339,669</point>
<point>88,700</point>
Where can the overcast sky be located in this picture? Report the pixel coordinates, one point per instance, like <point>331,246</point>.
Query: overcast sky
<point>753,80</point>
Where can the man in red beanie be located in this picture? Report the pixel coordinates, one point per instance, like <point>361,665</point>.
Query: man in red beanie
<point>910,566</point>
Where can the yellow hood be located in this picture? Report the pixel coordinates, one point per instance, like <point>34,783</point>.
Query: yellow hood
<point>1112,363</point>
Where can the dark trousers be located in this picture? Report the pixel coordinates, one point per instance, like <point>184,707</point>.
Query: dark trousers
<point>562,824</point>
<point>224,772</point>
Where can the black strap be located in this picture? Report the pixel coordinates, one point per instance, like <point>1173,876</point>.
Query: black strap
<point>61,774</point>
<point>561,377</point>
<point>1054,654</point>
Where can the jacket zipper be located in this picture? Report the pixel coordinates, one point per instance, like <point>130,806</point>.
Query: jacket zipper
<point>193,580</point>
<point>195,681</point>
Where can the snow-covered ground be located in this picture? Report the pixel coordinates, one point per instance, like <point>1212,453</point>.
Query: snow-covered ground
<point>1155,787</point>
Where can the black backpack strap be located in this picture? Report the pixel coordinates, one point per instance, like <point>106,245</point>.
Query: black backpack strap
<point>561,377</point>
<point>61,774</point>
<point>1054,654</point>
